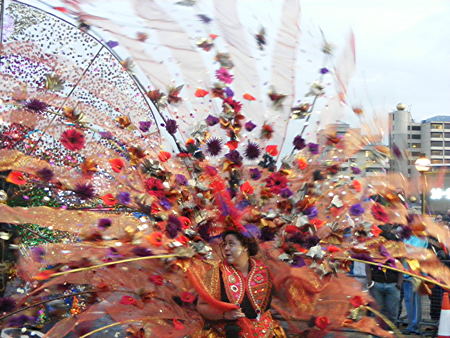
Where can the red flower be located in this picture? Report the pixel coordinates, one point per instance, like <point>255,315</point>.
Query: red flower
<point>379,213</point>
<point>109,200</point>
<point>177,324</point>
<point>182,239</point>
<point>247,188</point>
<point>249,97</point>
<point>235,105</point>
<point>356,185</point>
<point>187,297</point>
<point>154,187</point>
<point>232,145</point>
<point>16,177</point>
<point>72,139</point>
<point>276,182</point>
<point>128,300</point>
<point>333,248</point>
<point>217,185</point>
<point>201,92</point>
<point>164,156</point>
<point>322,322</point>
<point>375,230</point>
<point>185,221</point>
<point>116,164</point>
<point>357,301</point>
<point>272,150</point>
<point>301,164</point>
<point>156,279</point>
<point>291,229</point>
<point>155,238</point>
<point>318,223</point>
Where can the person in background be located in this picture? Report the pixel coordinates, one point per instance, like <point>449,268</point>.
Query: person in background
<point>384,285</point>
<point>413,300</point>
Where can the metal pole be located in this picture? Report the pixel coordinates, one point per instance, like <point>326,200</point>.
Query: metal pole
<point>422,174</point>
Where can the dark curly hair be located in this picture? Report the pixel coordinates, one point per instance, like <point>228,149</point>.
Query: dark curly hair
<point>247,241</point>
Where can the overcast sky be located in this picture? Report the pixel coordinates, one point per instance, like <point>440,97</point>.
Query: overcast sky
<point>402,50</point>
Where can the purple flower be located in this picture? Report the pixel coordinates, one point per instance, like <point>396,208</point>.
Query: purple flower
<point>85,191</point>
<point>203,231</point>
<point>173,226</point>
<point>46,174</point>
<point>214,146</point>
<point>255,174</point>
<point>112,44</point>
<point>356,210</point>
<point>311,212</point>
<point>7,304</point>
<point>396,150</point>
<point>165,203</point>
<point>204,18</point>
<point>249,126</point>
<point>285,193</point>
<point>145,125</point>
<point>228,92</point>
<point>299,142</point>
<point>313,148</point>
<point>234,157</point>
<point>212,120</point>
<point>124,197</point>
<point>242,204</point>
<point>383,251</point>
<point>104,223</point>
<point>252,151</point>
<point>106,134</point>
<point>324,70</point>
<point>252,230</point>
<point>36,253</point>
<point>267,234</point>
<point>141,251</point>
<point>19,321</point>
<point>311,241</point>
<point>171,126</point>
<point>181,179</point>
<point>36,105</point>
<point>298,262</point>
<point>355,170</point>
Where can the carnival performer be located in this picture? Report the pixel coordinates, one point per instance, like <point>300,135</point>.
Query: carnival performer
<point>240,279</point>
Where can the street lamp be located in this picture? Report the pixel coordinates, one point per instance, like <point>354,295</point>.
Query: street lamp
<point>422,165</point>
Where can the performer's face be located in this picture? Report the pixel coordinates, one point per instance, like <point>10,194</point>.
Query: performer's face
<point>233,249</point>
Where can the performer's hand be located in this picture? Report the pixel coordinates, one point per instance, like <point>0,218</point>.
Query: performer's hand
<point>233,314</point>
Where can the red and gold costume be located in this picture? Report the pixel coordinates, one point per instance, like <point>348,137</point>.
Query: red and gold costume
<point>252,293</point>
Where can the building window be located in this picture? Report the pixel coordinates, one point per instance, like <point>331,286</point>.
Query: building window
<point>415,136</point>
<point>436,143</point>
<point>438,135</point>
<point>415,145</point>
<point>409,171</point>
<point>447,153</point>
<point>447,135</point>
<point>436,161</point>
<point>447,143</point>
<point>447,125</point>
<point>418,153</point>
<point>415,128</point>
<point>436,152</point>
<point>446,161</point>
<point>436,126</point>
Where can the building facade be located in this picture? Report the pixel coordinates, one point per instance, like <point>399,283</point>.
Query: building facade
<point>410,139</point>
